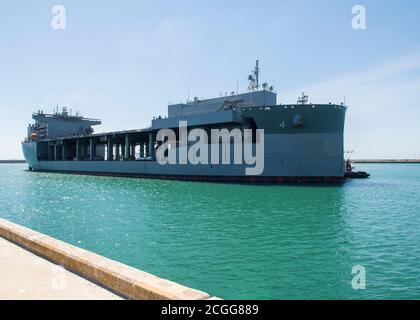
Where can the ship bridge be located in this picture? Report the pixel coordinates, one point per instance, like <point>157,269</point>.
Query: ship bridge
<point>220,110</point>
<point>59,124</point>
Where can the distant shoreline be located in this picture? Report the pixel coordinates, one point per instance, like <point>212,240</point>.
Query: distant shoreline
<point>353,161</point>
<point>386,161</point>
<point>12,161</point>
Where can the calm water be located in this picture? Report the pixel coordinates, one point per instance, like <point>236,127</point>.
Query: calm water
<point>237,241</point>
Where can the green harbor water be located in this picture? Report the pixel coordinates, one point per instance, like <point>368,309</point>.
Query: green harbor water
<point>237,241</point>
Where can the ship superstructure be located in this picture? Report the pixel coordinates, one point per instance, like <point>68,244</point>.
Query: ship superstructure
<point>303,141</point>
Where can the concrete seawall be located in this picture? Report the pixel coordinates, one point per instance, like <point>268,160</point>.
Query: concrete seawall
<point>408,161</point>
<point>120,278</point>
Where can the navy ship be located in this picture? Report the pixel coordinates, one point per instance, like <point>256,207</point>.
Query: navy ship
<point>303,142</point>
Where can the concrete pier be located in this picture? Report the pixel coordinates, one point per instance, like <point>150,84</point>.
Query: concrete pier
<point>25,276</point>
<point>387,161</point>
<point>114,276</point>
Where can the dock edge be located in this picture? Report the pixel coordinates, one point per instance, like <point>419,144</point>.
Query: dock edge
<point>115,276</point>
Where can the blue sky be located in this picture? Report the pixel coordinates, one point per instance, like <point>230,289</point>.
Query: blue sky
<point>123,61</point>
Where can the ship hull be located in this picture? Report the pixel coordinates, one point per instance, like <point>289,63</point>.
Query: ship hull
<point>213,179</point>
<point>305,158</point>
<point>306,151</point>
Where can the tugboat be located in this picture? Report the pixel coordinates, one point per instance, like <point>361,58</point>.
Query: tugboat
<point>350,174</point>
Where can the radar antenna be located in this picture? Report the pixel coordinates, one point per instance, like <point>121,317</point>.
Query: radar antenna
<point>265,86</point>
<point>303,99</point>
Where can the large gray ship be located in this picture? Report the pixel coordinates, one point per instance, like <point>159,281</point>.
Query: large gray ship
<point>303,142</point>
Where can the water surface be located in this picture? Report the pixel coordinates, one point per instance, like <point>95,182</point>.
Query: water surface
<point>237,241</point>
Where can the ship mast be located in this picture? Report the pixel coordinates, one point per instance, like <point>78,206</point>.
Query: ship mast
<point>257,74</point>
<point>254,78</point>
